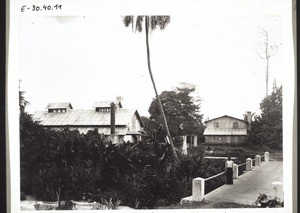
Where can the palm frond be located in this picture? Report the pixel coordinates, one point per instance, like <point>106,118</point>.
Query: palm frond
<point>127,20</point>
<point>139,23</point>
<point>159,21</point>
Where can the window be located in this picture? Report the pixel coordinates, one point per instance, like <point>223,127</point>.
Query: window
<point>216,124</point>
<point>235,125</point>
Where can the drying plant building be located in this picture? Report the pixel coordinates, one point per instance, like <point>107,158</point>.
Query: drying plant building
<point>109,117</point>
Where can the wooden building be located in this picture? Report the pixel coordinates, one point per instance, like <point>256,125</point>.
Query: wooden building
<point>226,130</point>
<point>109,117</point>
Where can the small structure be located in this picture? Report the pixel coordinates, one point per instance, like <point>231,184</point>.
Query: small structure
<point>109,117</point>
<point>226,130</point>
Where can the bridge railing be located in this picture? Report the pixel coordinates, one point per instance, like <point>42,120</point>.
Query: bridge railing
<point>198,185</point>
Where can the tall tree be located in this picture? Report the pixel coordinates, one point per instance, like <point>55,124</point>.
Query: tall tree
<point>182,111</point>
<point>266,51</point>
<point>267,128</point>
<point>152,23</point>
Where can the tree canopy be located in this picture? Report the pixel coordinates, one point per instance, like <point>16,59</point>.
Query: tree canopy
<point>267,127</point>
<point>182,110</point>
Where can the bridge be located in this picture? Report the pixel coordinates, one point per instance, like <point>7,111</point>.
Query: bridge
<point>264,177</point>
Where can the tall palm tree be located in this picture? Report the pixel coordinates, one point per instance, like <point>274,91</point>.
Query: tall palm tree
<point>151,23</point>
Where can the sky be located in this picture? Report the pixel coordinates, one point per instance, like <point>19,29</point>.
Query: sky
<point>84,59</point>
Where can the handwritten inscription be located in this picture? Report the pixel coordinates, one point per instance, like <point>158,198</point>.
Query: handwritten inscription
<point>37,8</point>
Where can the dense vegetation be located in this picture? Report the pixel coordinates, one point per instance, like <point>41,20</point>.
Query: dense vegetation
<point>64,165</point>
<point>267,127</point>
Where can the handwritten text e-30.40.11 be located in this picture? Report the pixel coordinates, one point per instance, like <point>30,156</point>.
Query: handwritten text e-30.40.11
<point>37,8</point>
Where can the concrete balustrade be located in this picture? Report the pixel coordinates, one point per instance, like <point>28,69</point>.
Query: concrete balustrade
<point>248,164</point>
<point>198,185</point>
<point>257,160</point>
<point>267,156</point>
<point>198,189</point>
<point>278,190</point>
<point>235,171</point>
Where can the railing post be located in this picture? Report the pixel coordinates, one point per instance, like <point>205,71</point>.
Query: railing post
<point>198,189</point>
<point>278,187</point>
<point>248,164</point>
<point>267,156</point>
<point>235,171</point>
<point>257,160</point>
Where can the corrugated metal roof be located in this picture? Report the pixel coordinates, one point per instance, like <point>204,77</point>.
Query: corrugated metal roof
<point>106,104</point>
<point>59,105</point>
<point>83,117</point>
<point>224,131</point>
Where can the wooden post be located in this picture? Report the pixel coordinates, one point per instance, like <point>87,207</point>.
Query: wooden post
<point>248,164</point>
<point>195,140</point>
<point>257,160</point>
<point>235,171</point>
<point>198,189</point>
<point>184,145</point>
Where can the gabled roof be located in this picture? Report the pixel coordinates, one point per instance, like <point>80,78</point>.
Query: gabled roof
<point>225,116</point>
<point>59,105</point>
<point>85,118</point>
<point>106,104</point>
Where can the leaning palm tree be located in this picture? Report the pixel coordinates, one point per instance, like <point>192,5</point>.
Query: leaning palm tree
<point>151,23</point>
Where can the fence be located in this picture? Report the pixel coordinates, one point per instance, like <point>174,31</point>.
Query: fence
<point>198,185</point>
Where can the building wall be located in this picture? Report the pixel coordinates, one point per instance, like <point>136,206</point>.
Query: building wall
<point>134,124</point>
<point>217,125</point>
<point>226,122</point>
<point>225,139</point>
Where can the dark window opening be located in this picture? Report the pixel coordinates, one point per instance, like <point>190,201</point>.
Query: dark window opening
<point>235,125</point>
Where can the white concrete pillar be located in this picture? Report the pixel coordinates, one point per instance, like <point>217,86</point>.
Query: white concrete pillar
<point>198,189</point>
<point>184,145</point>
<point>267,156</point>
<point>195,140</point>
<point>278,190</point>
<point>248,164</point>
<point>235,171</point>
<point>257,160</point>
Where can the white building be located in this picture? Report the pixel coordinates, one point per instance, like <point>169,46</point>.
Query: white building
<point>109,117</point>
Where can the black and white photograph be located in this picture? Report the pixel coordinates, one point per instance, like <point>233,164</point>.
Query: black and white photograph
<point>160,110</point>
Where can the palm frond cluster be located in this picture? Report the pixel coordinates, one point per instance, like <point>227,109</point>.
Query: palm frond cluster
<point>154,22</point>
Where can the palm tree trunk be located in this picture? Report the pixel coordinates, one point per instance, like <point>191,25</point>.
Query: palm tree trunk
<point>156,93</point>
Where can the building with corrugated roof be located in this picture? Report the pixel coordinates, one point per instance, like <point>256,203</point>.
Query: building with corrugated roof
<point>226,130</point>
<point>109,117</point>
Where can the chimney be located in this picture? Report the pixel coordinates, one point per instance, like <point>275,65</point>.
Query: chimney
<point>249,117</point>
<point>119,98</point>
<point>112,118</point>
